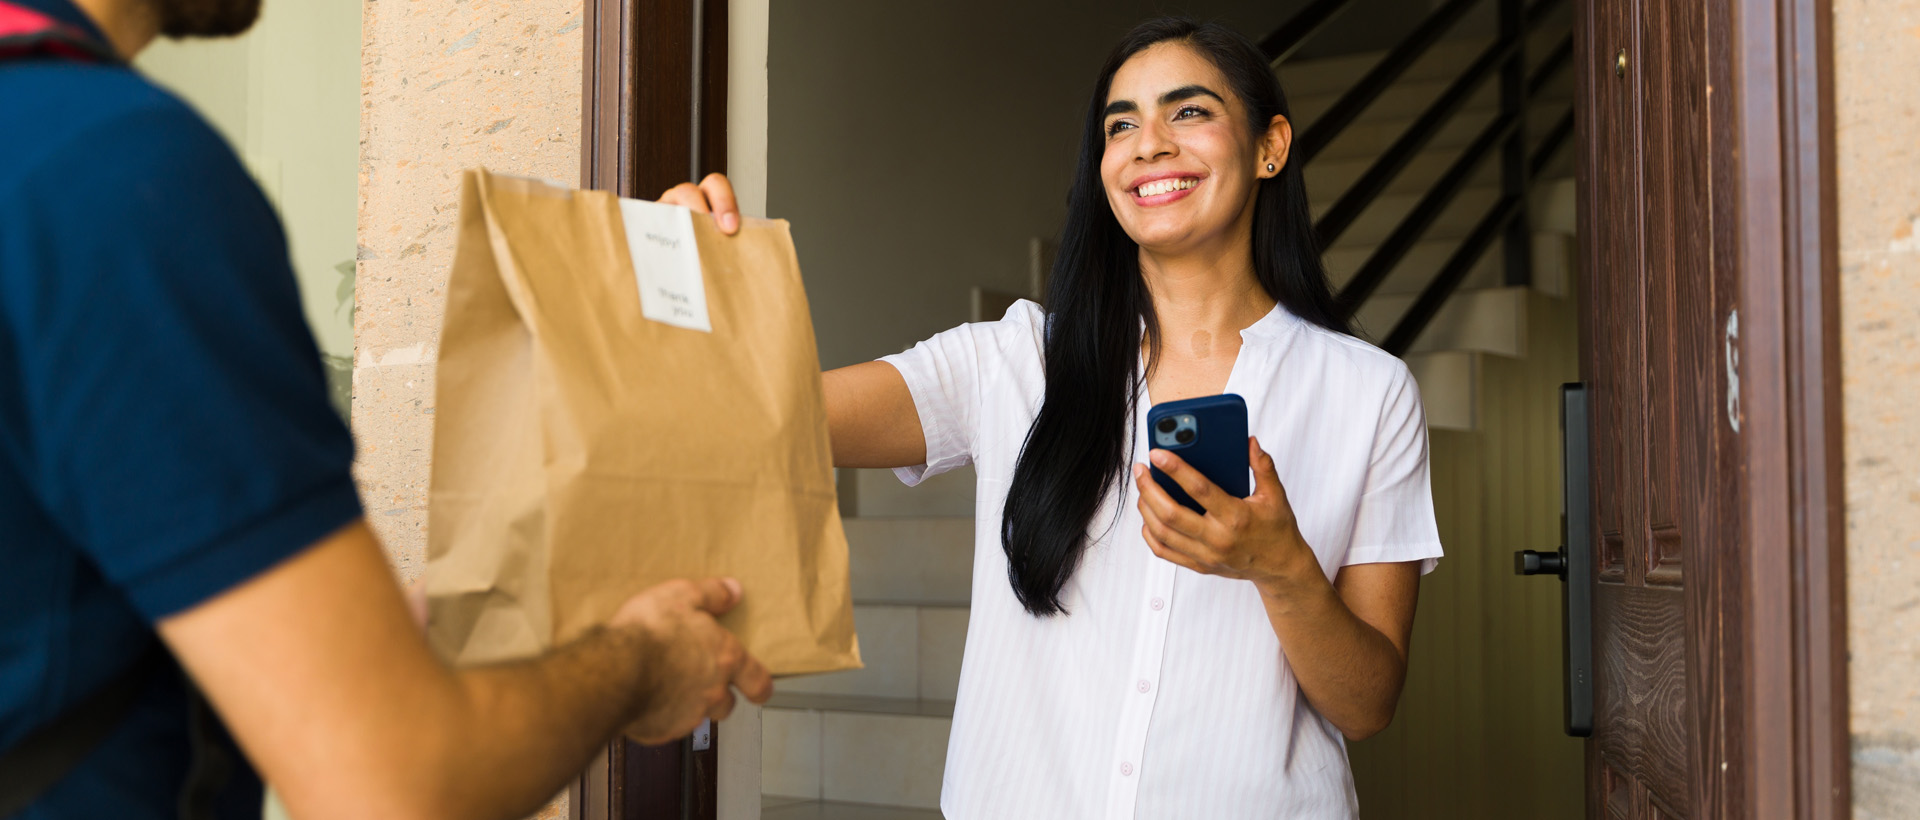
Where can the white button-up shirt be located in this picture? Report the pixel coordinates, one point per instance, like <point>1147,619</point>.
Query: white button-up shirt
<point>1163,693</point>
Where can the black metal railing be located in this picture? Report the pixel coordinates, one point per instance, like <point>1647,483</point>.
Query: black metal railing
<point>1506,219</point>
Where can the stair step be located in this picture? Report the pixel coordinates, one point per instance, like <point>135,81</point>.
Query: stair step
<point>911,559</point>
<point>904,707</point>
<point>1449,388</point>
<point>1443,61</point>
<point>1380,219</point>
<point>1333,75</point>
<point>1327,180</point>
<point>1489,320</point>
<point>1368,137</point>
<point>786,808</point>
<point>911,652</point>
<point>882,751</point>
<point>878,494</point>
<point>1414,270</point>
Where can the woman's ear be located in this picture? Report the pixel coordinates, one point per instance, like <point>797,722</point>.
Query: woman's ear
<point>1274,145</point>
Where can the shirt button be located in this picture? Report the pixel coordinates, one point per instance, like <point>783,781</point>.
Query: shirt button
<point>1143,686</point>
<point>1126,770</point>
<point>1158,604</point>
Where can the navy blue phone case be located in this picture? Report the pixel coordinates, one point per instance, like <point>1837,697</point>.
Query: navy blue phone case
<point>1218,449</point>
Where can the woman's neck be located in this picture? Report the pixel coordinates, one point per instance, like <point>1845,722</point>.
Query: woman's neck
<point>1213,292</point>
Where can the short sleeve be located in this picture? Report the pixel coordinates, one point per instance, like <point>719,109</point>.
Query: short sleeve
<point>177,426</point>
<point>1396,522</point>
<point>945,375</point>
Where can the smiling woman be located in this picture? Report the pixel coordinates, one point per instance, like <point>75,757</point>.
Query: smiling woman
<point>1113,632</point>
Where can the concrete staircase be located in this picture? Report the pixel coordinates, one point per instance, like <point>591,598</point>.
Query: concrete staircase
<point>871,744</point>
<point>1483,317</point>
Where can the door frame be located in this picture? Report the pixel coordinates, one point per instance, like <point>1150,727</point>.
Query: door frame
<point>1793,687</point>
<point>653,114</point>
<point>1766,683</point>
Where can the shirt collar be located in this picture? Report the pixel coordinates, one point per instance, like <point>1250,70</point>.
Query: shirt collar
<point>1277,325</point>
<point>64,11</point>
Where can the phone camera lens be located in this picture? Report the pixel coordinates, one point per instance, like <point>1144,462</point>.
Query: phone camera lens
<point>1166,425</point>
<point>1183,436</point>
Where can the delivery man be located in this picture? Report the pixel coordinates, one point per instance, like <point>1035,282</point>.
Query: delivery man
<point>174,485</point>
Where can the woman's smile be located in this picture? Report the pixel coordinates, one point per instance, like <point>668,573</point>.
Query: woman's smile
<point>1154,190</point>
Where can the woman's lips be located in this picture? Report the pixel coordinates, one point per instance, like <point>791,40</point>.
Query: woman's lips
<point>1169,197</point>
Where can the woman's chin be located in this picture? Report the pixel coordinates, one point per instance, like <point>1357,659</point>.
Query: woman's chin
<point>1169,241</point>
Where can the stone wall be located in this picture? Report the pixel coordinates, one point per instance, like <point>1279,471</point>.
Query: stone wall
<point>1877,82</point>
<point>446,85</point>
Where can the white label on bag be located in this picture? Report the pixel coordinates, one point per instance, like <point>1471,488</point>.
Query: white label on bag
<point>666,264</point>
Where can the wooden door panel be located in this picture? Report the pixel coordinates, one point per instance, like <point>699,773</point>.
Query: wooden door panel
<point>1641,698</point>
<point>1614,234</point>
<point>1648,361</point>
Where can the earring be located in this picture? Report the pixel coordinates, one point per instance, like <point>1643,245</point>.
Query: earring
<point>1269,167</point>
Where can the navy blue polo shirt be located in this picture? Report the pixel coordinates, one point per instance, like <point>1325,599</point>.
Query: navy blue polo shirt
<point>165,432</point>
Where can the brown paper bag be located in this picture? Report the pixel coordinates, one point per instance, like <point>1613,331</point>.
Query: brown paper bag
<point>584,452</point>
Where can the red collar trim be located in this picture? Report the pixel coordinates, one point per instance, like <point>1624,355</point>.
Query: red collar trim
<point>27,33</point>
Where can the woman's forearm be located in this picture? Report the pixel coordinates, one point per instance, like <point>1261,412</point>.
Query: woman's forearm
<point>1349,670</point>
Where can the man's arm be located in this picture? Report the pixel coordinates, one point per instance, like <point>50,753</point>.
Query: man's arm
<point>320,673</point>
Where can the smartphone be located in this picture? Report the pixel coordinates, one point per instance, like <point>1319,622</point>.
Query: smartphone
<point>1209,433</point>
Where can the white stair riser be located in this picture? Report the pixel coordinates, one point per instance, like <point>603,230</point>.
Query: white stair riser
<point>1444,60</point>
<point>1449,388</point>
<point>1493,320</point>
<point>894,760</point>
<point>1380,219</point>
<point>853,757</point>
<point>890,650</point>
<point>910,653</point>
<point>1368,139</point>
<point>1328,180</point>
<point>911,559</point>
<point>1413,271</point>
<point>878,494</point>
<point>1403,100</point>
<point>790,753</point>
<point>943,641</point>
<point>1332,75</point>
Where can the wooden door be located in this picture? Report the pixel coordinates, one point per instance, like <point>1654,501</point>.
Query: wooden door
<point>1650,308</point>
<point>1708,347</point>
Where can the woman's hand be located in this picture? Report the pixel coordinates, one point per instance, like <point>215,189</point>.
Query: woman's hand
<point>1255,539</point>
<point>714,195</point>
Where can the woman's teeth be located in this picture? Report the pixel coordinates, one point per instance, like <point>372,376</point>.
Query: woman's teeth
<point>1164,186</point>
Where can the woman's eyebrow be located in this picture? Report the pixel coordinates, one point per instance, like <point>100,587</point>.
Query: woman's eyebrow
<point>1185,92</point>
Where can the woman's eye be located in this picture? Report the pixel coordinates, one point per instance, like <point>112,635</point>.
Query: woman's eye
<point>1117,126</point>
<point>1187,111</point>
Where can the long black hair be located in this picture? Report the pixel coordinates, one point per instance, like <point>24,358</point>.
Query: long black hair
<point>1076,451</point>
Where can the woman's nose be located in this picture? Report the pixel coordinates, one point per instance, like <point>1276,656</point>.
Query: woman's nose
<point>1155,142</point>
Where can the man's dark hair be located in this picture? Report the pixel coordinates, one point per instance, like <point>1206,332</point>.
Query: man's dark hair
<point>205,18</point>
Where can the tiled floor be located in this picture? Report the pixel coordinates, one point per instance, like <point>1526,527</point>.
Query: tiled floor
<point>786,808</point>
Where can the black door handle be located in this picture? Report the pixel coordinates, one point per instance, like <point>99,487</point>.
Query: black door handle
<point>1572,563</point>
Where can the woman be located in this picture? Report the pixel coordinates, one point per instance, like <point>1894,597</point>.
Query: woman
<point>1127,657</point>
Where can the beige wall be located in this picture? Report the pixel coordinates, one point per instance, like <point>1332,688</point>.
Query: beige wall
<point>1876,82</point>
<point>445,85</point>
<point>287,96</point>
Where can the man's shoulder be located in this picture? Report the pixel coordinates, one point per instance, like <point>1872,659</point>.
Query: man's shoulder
<point>100,107</point>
